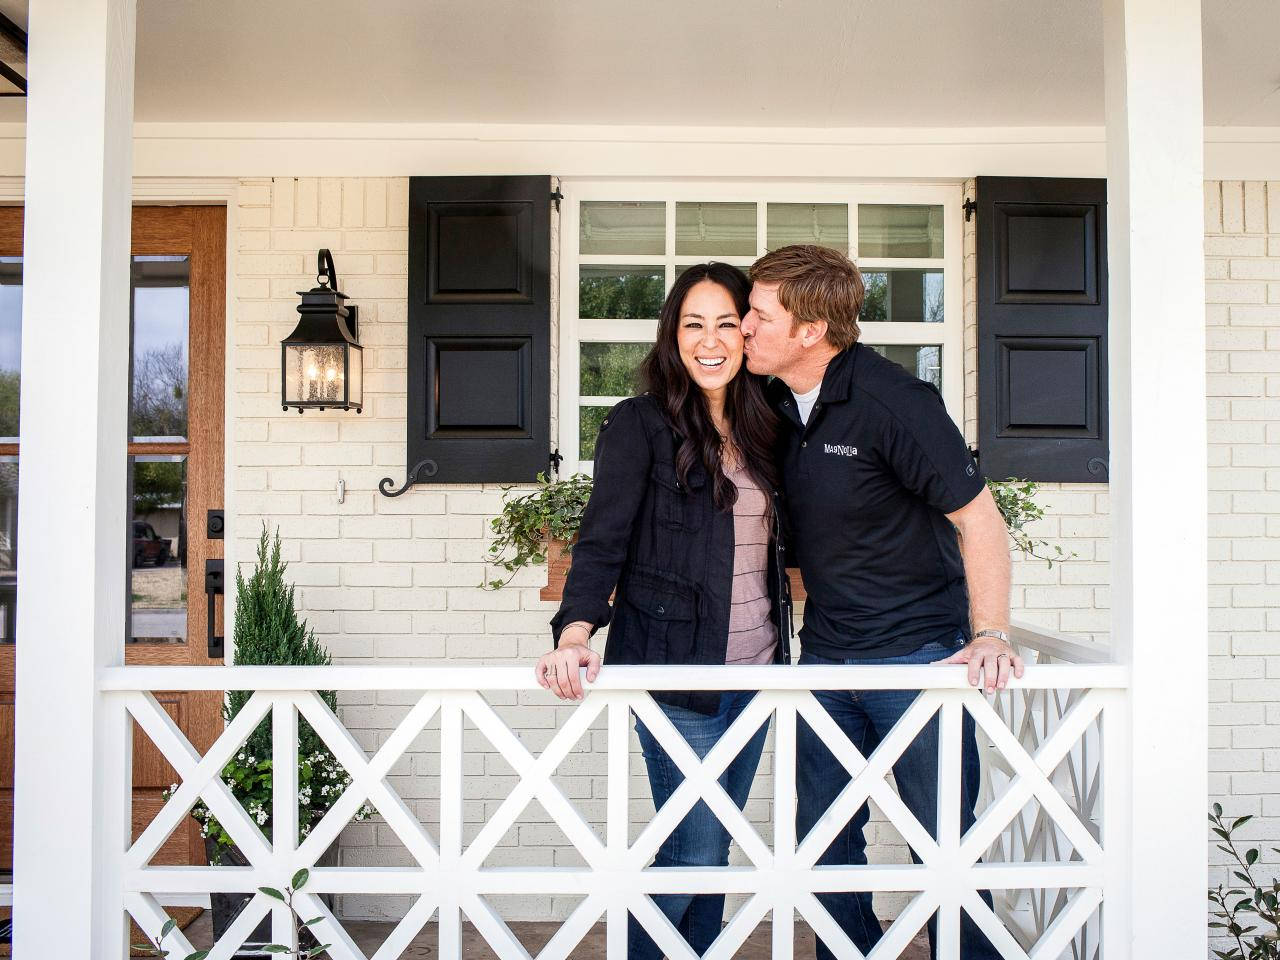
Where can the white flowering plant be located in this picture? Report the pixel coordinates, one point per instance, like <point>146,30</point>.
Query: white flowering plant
<point>321,780</point>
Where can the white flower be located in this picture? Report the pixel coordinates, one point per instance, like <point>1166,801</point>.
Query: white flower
<point>261,817</point>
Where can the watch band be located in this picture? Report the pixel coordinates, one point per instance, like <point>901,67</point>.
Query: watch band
<point>998,634</point>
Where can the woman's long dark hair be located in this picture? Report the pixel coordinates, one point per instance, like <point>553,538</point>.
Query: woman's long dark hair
<point>753,425</point>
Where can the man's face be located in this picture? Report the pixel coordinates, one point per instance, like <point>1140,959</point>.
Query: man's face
<point>772,346</point>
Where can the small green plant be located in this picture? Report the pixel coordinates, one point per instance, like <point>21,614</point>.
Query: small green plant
<point>286,897</point>
<point>155,948</point>
<point>268,632</point>
<point>551,512</point>
<point>1016,500</point>
<point>1249,912</point>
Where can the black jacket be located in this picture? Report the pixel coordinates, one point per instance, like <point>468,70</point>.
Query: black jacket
<point>668,552</point>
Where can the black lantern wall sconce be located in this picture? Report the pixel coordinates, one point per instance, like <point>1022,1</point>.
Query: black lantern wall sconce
<point>321,362</point>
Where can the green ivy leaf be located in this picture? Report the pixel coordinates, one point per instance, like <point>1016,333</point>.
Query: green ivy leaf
<point>168,927</point>
<point>198,955</point>
<point>300,879</point>
<point>273,892</point>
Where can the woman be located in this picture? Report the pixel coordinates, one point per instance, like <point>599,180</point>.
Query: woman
<point>683,523</point>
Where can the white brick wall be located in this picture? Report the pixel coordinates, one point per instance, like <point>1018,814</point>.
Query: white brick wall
<point>1242,314</point>
<point>396,580</point>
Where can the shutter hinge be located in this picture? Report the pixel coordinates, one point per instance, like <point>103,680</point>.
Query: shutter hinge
<point>970,208</point>
<point>556,197</point>
<point>555,460</point>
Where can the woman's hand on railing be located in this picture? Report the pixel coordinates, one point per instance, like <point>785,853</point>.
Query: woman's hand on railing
<point>558,670</point>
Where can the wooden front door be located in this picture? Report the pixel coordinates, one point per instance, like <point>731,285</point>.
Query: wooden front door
<point>175,474</point>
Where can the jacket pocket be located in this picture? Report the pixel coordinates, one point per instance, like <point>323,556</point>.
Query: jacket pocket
<point>665,612</point>
<point>673,508</point>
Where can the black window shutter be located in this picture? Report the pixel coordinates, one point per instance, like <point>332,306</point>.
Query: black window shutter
<point>479,352</point>
<point>1042,328</point>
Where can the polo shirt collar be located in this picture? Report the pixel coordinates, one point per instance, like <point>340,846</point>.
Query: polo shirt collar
<point>837,380</point>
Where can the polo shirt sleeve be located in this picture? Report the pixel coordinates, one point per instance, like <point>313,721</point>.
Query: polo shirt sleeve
<point>927,452</point>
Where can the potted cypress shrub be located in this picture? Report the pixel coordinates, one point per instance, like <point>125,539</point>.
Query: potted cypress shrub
<point>268,632</point>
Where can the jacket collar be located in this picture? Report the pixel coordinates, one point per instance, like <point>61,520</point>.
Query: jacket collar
<point>837,381</point>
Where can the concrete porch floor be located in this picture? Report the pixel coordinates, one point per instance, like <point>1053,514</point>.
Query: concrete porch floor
<point>369,935</point>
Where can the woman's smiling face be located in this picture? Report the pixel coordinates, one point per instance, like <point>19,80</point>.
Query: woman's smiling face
<point>710,336</point>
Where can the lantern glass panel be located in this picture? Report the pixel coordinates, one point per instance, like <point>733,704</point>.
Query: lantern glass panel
<point>315,373</point>
<point>355,376</point>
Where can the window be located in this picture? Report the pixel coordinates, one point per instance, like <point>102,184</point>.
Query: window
<point>624,243</point>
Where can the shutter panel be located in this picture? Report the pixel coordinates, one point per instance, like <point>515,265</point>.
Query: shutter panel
<point>479,349</point>
<point>1042,328</point>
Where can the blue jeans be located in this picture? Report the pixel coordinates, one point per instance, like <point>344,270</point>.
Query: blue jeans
<point>700,840</point>
<point>867,716</point>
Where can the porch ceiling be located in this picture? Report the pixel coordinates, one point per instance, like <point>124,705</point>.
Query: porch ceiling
<point>843,63</point>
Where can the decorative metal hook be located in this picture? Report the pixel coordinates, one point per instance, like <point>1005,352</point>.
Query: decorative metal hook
<point>1097,466</point>
<point>423,470</point>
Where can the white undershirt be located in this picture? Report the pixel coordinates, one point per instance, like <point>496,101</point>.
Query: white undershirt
<point>805,402</point>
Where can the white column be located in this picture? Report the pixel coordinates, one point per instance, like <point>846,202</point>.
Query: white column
<point>1155,171</point>
<point>75,343</point>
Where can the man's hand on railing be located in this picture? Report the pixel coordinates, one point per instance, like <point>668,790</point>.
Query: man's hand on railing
<point>558,670</point>
<point>994,659</point>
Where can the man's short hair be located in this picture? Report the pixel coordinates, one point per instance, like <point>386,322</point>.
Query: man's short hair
<point>816,283</point>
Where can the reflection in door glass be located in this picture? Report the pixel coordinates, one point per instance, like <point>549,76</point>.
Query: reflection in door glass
<point>10,345</point>
<point>8,547</point>
<point>158,549</point>
<point>160,313</point>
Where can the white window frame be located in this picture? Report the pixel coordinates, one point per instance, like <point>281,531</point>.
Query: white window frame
<point>575,331</point>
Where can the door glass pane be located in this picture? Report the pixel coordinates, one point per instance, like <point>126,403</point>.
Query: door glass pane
<point>902,296</point>
<point>589,420</point>
<point>620,293</point>
<point>160,312</point>
<point>606,226</point>
<point>10,344</point>
<point>826,224</point>
<point>716,229</point>
<point>611,369</point>
<point>8,547</point>
<point>157,549</point>
<point>899,230</point>
<point>924,362</point>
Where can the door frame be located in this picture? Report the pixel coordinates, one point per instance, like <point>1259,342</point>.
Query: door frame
<point>216,291</point>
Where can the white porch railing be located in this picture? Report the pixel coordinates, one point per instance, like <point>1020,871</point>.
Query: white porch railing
<point>1048,874</point>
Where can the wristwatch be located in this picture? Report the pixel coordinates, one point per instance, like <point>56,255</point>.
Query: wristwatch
<point>998,634</point>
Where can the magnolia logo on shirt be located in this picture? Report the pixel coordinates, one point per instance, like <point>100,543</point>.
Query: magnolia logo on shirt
<point>840,449</point>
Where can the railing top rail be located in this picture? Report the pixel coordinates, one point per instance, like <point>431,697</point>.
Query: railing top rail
<point>391,677</point>
<point>1057,645</point>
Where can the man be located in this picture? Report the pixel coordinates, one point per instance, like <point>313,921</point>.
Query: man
<point>904,553</point>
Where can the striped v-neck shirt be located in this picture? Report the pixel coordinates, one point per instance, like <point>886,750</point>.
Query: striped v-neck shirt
<point>753,637</point>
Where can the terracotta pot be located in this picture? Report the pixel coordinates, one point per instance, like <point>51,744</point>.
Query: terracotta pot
<point>558,560</point>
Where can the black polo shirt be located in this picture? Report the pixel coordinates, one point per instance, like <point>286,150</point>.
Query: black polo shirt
<point>868,483</point>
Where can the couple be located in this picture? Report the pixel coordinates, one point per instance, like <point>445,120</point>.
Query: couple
<point>902,549</point>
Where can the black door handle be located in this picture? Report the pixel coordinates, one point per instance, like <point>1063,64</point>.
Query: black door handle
<point>213,587</point>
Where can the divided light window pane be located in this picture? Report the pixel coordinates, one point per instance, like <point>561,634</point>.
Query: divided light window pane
<point>826,224</point>
<point>610,369</point>
<point>715,229</point>
<point>924,362</point>
<point>8,547</point>
<point>161,311</point>
<point>899,230</point>
<point>157,569</point>
<point>902,296</point>
<point>608,226</point>
<point>588,428</point>
<point>620,293</point>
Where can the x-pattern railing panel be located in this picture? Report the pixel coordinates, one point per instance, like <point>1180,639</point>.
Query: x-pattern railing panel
<point>451,881</point>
